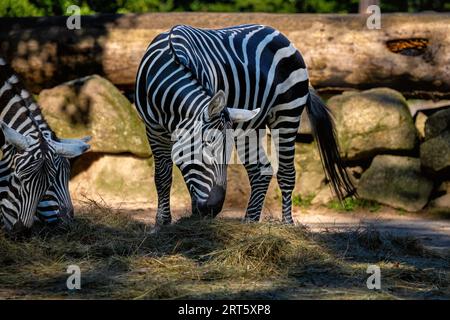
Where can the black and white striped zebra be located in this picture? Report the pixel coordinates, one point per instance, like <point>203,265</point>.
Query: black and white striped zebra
<point>247,77</point>
<point>34,169</point>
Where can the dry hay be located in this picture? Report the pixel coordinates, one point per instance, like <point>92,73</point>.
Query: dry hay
<point>221,258</point>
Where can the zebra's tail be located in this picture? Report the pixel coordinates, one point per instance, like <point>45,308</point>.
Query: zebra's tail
<point>323,129</point>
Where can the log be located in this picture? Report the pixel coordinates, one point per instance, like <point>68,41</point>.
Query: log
<point>364,4</point>
<point>410,53</point>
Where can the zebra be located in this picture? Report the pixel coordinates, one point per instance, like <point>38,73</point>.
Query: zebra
<point>246,77</point>
<point>35,168</point>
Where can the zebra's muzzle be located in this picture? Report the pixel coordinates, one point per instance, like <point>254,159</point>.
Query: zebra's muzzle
<point>212,206</point>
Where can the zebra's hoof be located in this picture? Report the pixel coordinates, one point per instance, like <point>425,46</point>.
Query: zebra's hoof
<point>290,222</point>
<point>250,220</point>
<point>155,229</point>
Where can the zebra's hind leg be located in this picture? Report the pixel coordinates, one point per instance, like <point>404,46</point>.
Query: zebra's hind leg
<point>286,181</point>
<point>259,170</point>
<point>163,181</point>
<point>284,133</point>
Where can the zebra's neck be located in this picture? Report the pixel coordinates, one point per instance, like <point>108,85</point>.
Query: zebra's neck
<point>18,108</point>
<point>18,111</point>
<point>173,94</point>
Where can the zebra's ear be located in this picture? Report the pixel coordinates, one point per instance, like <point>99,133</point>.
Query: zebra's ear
<point>15,138</point>
<point>75,141</point>
<point>217,103</point>
<point>70,150</point>
<point>241,115</point>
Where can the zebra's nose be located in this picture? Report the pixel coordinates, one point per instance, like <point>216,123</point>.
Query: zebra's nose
<point>213,205</point>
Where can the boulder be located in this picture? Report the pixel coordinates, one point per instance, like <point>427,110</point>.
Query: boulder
<point>421,119</point>
<point>443,199</point>
<point>372,122</point>
<point>417,105</point>
<point>435,154</point>
<point>107,178</point>
<point>324,196</point>
<point>305,125</point>
<point>444,187</point>
<point>396,181</point>
<point>441,202</point>
<point>310,175</point>
<point>93,106</point>
<point>435,151</point>
<point>437,123</point>
<point>355,173</point>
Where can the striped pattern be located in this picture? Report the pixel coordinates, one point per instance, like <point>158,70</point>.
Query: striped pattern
<point>257,67</point>
<point>33,182</point>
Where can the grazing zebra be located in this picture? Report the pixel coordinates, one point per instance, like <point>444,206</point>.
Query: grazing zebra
<point>244,78</point>
<point>34,169</point>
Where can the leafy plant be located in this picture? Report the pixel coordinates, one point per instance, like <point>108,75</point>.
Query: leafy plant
<point>304,202</point>
<point>22,8</point>
<point>352,204</point>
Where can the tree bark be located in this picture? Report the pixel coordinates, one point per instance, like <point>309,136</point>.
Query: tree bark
<point>411,52</point>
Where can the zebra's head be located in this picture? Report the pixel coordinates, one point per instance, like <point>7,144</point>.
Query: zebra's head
<point>56,204</point>
<point>35,163</point>
<point>202,150</point>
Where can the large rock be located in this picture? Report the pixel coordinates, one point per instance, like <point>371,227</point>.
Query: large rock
<point>310,175</point>
<point>443,199</point>
<point>108,178</point>
<point>441,202</point>
<point>305,125</point>
<point>93,106</point>
<point>396,181</point>
<point>324,196</point>
<point>421,119</point>
<point>437,123</point>
<point>435,154</point>
<point>417,105</point>
<point>435,151</point>
<point>372,122</point>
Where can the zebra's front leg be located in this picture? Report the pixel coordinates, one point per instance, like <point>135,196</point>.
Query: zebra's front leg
<point>259,175</point>
<point>259,170</point>
<point>163,181</point>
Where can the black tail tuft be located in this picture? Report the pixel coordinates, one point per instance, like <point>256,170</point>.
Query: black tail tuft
<point>323,129</point>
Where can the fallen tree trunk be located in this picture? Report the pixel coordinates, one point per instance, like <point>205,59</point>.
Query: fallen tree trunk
<point>411,52</point>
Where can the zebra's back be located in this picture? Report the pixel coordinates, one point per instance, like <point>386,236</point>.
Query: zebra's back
<point>256,65</point>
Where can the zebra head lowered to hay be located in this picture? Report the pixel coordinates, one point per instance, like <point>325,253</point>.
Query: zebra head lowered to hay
<point>34,168</point>
<point>246,78</point>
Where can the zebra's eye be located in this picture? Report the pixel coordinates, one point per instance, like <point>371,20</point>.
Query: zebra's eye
<point>208,142</point>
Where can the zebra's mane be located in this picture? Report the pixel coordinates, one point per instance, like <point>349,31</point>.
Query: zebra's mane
<point>184,60</point>
<point>186,52</point>
<point>25,98</point>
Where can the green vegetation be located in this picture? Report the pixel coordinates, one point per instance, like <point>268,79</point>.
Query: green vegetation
<point>220,258</point>
<point>304,202</point>
<point>352,204</point>
<point>21,8</point>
